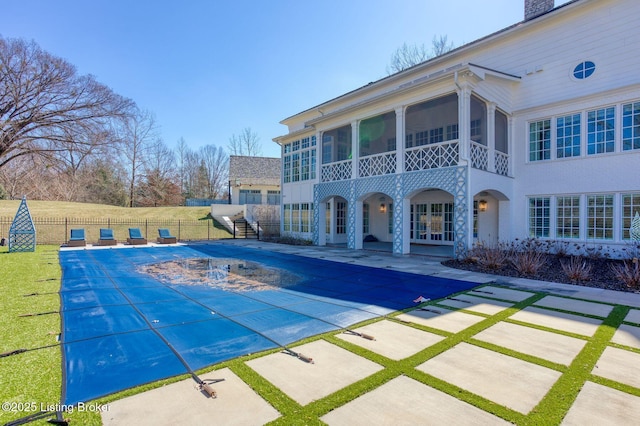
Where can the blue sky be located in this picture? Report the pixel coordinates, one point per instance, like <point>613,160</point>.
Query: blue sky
<point>208,69</point>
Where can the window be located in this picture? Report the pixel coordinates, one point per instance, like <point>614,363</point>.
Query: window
<point>539,217</point>
<point>630,207</point>
<point>601,130</point>
<point>478,120</point>
<point>341,216</point>
<point>436,135</point>
<point>313,164</point>
<point>327,218</point>
<point>365,218</point>
<point>452,132</point>
<point>390,217</point>
<point>568,136</point>
<point>631,126</point>
<point>304,217</point>
<point>436,114</point>
<point>295,217</point>
<point>600,217</point>
<point>295,167</point>
<point>568,217</point>
<point>287,217</point>
<point>501,130</point>
<point>408,143</point>
<point>391,144</point>
<point>422,138</point>
<point>287,169</point>
<point>304,174</point>
<point>584,70</point>
<point>540,140</point>
<point>296,145</point>
<point>475,218</point>
<point>304,143</point>
<point>287,148</point>
<point>313,141</point>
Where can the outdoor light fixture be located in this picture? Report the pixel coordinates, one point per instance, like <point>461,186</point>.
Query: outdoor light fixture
<point>482,205</point>
<point>383,208</point>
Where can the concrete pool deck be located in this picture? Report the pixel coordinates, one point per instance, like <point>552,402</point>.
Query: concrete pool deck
<point>513,361</point>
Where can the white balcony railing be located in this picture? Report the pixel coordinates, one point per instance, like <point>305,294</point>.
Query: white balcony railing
<point>432,156</point>
<point>502,163</point>
<point>378,164</point>
<point>479,156</point>
<point>340,170</point>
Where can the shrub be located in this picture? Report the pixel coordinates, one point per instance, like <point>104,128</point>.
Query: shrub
<point>576,269</point>
<point>528,262</point>
<point>492,257</point>
<point>628,273</point>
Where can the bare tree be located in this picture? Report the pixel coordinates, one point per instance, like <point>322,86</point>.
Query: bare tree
<point>43,101</point>
<point>407,56</point>
<point>137,132</point>
<point>246,143</point>
<point>216,164</point>
<point>160,184</point>
<point>181,157</point>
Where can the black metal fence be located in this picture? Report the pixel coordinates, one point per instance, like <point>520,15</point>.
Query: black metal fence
<point>56,230</point>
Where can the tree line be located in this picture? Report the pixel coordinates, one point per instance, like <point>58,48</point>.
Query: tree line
<point>67,137</point>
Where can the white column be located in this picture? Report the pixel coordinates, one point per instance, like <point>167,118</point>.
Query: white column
<point>491,136</point>
<point>400,137</point>
<point>406,226</point>
<point>464,122</point>
<point>354,149</point>
<point>318,155</point>
<point>358,225</point>
<point>322,223</point>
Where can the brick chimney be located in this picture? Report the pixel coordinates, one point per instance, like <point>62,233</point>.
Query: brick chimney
<point>533,8</point>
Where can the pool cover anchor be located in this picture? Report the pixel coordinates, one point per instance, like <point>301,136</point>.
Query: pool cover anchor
<point>363,335</point>
<point>300,356</point>
<point>204,386</point>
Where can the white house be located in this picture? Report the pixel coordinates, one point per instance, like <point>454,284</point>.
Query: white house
<point>533,131</point>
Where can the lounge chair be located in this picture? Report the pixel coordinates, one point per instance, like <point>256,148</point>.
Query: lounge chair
<point>106,237</point>
<point>165,237</point>
<point>77,238</point>
<point>135,237</point>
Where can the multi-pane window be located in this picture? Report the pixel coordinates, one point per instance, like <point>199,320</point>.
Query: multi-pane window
<point>631,126</point>
<point>365,218</point>
<point>391,144</point>
<point>341,217</point>
<point>390,218</point>
<point>422,138</point>
<point>601,130</point>
<point>287,218</point>
<point>475,218</point>
<point>304,174</point>
<point>436,135</point>
<point>568,217</point>
<point>287,169</point>
<point>630,208</point>
<point>295,217</point>
<point>476,130</point>
<point>600,217</point>
<point>295,167</point>
<point>408,140</point>
<point>327,218</point>
<point>540,140</point>
<point>568,136</point>
<point>304,217</point>
<point>452,132</point>
<point>539,216</point>
<point>299,161</point>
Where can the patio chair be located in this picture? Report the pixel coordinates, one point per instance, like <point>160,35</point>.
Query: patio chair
<point>135,237</point>
<point>106,237</point>
<point>165,237</point>
<point>77,238</point>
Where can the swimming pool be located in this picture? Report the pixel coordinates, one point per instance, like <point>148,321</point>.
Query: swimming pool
<point>124,325</point>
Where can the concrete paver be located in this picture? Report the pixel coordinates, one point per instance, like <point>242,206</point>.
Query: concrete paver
<point>619,365</point>
<point>600,405</point>
<point>447,320</point>
<point>393,340</point>
<point>181,402</point>
<point>502,293</point>
<point>558,320</point>
<point>509,381</point>
<point>573,305</point>
<point>333,369</point>
<point>633,316</point>
<point>543,344</point>
<point>476,304</point>
<point>627,335</point>
<point>404,401</point>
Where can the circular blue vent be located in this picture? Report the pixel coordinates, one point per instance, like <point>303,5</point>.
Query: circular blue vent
<point>584,70</point>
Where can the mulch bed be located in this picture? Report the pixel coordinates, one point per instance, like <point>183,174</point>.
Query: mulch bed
<point>601,275</point>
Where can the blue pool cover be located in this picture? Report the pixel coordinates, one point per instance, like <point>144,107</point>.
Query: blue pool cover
<point>122,328</point>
